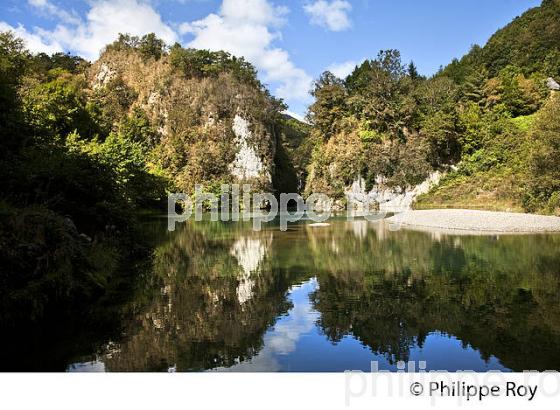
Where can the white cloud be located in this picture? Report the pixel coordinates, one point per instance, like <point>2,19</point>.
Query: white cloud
<point>342,70</point>
<point>332,15</point>
<point>51,9</point>
<point>296,115</point>
<point>34,42</point>
<point>248,28</point>
<point>106,19</point>
<point>103,22</point>
<point>253,11</point>
<point>282,339</point>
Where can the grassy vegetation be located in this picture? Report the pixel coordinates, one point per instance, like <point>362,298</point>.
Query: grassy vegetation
<point>492,190</point>
<point>515,180</point>
<point>492,178</point>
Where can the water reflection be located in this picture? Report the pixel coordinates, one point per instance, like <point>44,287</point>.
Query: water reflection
<point>223,297</point>
<point>282,339</point>
<point>249,252</point>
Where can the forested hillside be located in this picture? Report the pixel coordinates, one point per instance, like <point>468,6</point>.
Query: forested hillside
<point>488,120</point>
<point>86,147</point>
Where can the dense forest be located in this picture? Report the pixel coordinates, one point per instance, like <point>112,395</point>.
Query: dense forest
<point>87,147</point>
<point>489,119</point>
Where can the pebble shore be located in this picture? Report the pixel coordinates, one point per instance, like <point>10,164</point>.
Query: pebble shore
<point>478,221</point>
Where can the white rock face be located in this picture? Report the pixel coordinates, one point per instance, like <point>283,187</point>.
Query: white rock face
<point>155,104</point>
<point>104,76</point>
<point>154,98</point>
<point>552,84</point>
<point>389,199</point>
<point>247,163</point>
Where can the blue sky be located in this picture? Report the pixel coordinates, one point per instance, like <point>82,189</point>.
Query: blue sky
<point>290,42</point>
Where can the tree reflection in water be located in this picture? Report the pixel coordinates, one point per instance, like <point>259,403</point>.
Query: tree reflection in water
<point>218,289</point>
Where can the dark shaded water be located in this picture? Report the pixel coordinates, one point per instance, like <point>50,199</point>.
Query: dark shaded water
<point>220,296</point>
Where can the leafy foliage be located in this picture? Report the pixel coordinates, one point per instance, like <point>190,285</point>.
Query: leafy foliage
<point>149,46</point>
<point>13,59</point>
<point>57,106</point>
<point>329,107</point>
<point>85,148</point>
<point>368,123</point>
<point>527,42</point>
<point>387,124</point>
<point>205,63</point>
<point>544,164</point>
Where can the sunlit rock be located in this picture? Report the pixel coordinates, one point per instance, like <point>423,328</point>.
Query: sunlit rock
<point>388,199</point>
<point>247,164</point>
<point>104,76</point>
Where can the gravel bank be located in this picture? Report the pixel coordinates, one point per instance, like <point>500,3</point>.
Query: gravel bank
<point>478,221</point>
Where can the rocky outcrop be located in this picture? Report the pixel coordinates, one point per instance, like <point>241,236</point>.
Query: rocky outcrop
<point>103,76</point>
<point>208,129</point>
<point>388,199</point>
<point>381,197</point>
<point>552,84</point>
<point>247,164</point>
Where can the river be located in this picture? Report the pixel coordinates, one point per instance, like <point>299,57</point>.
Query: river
<point>219,296</point>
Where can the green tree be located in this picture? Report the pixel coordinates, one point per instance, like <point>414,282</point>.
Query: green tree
<point>41,64</point>
<point>13,63</point>
<point>519,94</point>
<point>127,161</point>
<point>459,70</point>
<point>110,104</point>
<point>151,47</point>
<point>412,71</point>
<point>544,164</point>
<point>437,100</point>
<point>551,65</point>
<point>329,106</point>
<point>440,129</point>
<point>137,128</point>
<point>205,63</point>
<point>380,93</point>
<point>125,42</point>
<point>472,89</point>
<point>58,106</point>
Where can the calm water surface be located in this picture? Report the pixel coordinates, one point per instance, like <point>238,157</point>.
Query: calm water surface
<point>221,297</point>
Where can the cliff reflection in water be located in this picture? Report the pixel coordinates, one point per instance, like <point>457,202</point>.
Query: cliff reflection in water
<point>222,296</point>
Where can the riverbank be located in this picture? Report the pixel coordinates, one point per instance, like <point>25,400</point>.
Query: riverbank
<point>477,221</point>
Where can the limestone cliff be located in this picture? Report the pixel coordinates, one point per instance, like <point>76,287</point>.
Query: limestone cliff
<point>385,198</point>
<point>205,129</point>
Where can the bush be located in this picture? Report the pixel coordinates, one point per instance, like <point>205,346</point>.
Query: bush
<point>58,107</point>
<point>204,63</point>
<point>544,165</point>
